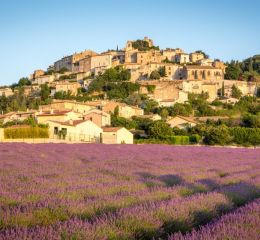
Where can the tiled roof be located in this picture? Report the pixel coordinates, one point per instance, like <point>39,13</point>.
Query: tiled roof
<point>111,129</point>
<point>200,67</point>
<point>55,113</point>
<point>70,123</point>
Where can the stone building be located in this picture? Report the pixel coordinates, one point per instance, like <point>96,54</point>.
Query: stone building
<point>196,72</point>
<point>170,54</point>
<point>124,110</point>
<point>196,56</point>
<point>44,79</point>
<point>65,86</point>
<point>182,58</point>
<point>6,91</point>
<point>71,62</point>
<point>116,135</point>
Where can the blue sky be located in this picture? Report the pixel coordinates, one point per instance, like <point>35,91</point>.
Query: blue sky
<point>35,33</point>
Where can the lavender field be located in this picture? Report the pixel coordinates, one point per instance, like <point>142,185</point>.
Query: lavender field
<point>59,191</point>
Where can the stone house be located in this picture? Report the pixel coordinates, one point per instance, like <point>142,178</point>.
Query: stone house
<point>43,117</point>
<point>195,57</point>
<point>116,135</point>
<point>125,110</point>
<point>182,58</point>
<point>65,86</point>
<point>182,122</point>
<point>170,54</point>
<point>43,79</point>
<point>100,118</point>
<point>6,91</point>
<point>75,130</point>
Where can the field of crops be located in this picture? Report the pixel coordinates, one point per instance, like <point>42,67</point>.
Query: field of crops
<point>84,191</point>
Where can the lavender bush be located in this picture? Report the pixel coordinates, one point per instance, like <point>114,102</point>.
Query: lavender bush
<point>240,225</point>
<point>59,191</point>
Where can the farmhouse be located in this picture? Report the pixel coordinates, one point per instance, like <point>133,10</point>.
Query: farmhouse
<point>181,122</point>
<point>124,110</point>
<point>75,130</point>
<point>98,117</point>
<point>116,135</point>
<point>52,115</point>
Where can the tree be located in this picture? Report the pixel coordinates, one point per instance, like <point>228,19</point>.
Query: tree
<point>236,93</point>
<point>117,121</point>
<point>181,109</point>
<point>251,121</point>
<point>203,53</point>
<point>155,75</point>
<point>217,135</point>
<point>134,99</point>
<point>162,71</point>
<point>223,89</point>
<point>160,130</point>
<point>45,92</point>
<point>116,111</point>
<point>63,70</point>
<point>23,82</point>
<point>258,92</point>
<point>164,113</point>
<point>233,71</point>
<point>149,105</point>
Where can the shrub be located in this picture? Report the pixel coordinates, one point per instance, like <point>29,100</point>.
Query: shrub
<point>179,140</point>
<point>195,138</point>
<point>28,132</point>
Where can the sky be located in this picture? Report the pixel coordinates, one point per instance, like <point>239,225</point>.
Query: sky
<point>35,33</point>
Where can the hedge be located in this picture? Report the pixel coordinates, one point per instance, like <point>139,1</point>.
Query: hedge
<point>245,136</point>
<point>30,132</point>
<point>179,140</point>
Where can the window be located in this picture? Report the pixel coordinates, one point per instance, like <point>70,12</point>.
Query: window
<point>56,130</point>
<point>64,130</point>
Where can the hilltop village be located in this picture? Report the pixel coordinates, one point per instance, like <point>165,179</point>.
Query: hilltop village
<point>102,97</point>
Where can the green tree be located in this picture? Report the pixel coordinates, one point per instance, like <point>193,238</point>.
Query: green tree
<point>223,89</point>
<point>236,93</point>
<point>45,92</point>
<point>149,105</point>
<point>134,99</point>
<point>155,75</point>
<point>217,135</point>
<point>162,71</point>
<point>117,121</point>
<point>251,121</point>
<point>116,111</point>
<point>23,82</point>
<point>63,70</point>
<point>160,130</point>
<point>164,113</point>
<point>233,71</point>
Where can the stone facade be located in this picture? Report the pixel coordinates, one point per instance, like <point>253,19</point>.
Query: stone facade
<point>195,57</point>
<point>6,92</point>
<point>65,86</point>
<point>195,72</point>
